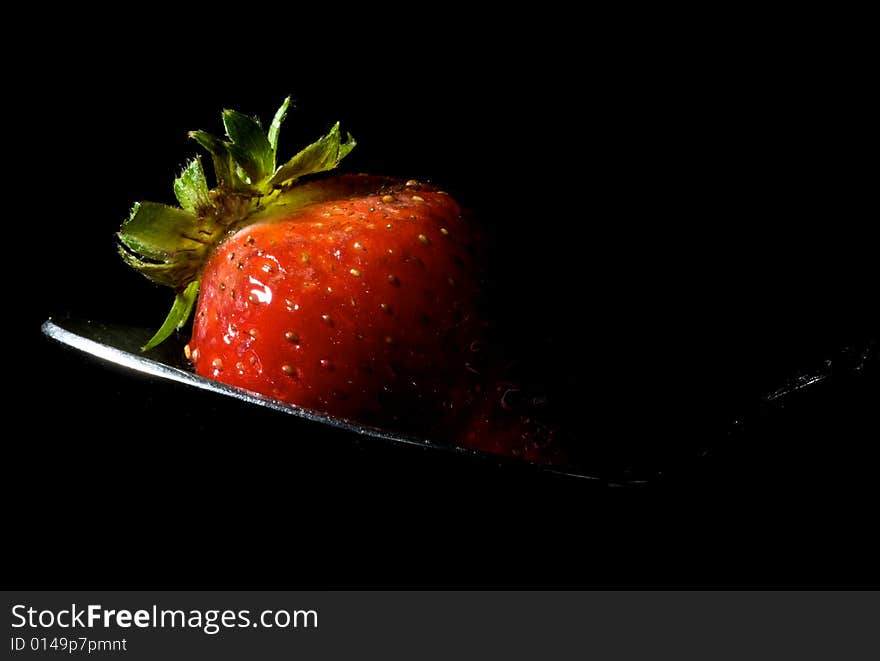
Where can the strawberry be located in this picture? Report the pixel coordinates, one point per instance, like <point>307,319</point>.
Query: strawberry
<point>360,305</point>
<point>353,295</point>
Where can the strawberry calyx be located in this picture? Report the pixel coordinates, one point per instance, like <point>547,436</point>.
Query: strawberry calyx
<point>170,245</point>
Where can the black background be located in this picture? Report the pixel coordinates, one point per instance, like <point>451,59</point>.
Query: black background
<point>681,219</point>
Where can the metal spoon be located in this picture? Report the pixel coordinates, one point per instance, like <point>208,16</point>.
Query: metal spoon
<point>120,345</point>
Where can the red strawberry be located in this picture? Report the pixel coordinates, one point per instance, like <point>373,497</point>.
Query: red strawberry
<point>354,295</point>
<point>361,305</point>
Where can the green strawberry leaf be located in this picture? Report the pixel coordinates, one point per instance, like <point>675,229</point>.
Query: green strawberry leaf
<point>158,231</point>
<point>322,155</point>
<point>191,187</point>
<point>223,170</point>
<point>164,243</point>
<point>177,317</point>
<point>161,273</point>
<point>275,127</point>
<point>250,147</point>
